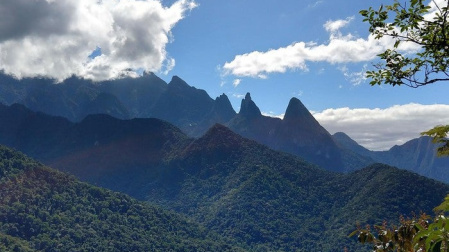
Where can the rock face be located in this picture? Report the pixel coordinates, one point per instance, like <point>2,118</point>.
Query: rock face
<point>298,133</point>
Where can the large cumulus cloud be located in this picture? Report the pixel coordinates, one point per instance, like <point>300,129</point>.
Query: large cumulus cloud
<point>54,38</point>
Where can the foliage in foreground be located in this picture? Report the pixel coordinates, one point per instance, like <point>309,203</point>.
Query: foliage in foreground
<point>419,233</point>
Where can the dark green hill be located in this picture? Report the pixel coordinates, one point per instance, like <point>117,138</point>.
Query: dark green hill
<point>275,201</point>
<point>45,210</point>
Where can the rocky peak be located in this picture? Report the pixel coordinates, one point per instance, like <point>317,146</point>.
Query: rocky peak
<point>223,107</point>
<point>248,108</point>
<point>177,82</point>
<point>296,110</point>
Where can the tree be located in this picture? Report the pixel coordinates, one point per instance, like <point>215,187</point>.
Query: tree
<point>413,24</point>
<point>425,27</point>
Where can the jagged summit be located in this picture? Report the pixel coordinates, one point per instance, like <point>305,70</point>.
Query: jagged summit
<point>223,98</point>
<point>248,108</point>
<point>178,82</point>
<point>223,107</point>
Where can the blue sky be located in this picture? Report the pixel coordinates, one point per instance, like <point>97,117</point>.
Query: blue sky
<point>216,32</point>
<point>315,50</point>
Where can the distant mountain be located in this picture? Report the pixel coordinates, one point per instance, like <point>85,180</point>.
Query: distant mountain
<point>354,156</point>
<point>188,108</point>
<point>100,149</point>
<point>194,112</point>
<point>298,133</point>
<point>264,199</point>
<point>45,210</point>
<point>348,143</point>
<point>417,155</point>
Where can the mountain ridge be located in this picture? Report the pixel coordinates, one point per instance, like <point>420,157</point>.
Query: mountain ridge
<point>194,112</point>
<point>298,133</point>
<point>228,183</point>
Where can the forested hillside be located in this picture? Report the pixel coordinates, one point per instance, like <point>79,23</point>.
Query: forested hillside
<point>45,210</point>
<point>264,199</point>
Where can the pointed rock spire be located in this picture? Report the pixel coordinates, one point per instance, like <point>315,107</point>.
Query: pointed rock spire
<point>248,108</point>
<point>296,110</point>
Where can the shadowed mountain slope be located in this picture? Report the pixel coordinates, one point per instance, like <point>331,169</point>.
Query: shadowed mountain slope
<point>100,149</point>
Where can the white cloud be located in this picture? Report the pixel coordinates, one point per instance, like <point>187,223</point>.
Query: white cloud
<point>238,96</point>
<point>339,49</point>
<point>170,64</point>
<point>355,78</point>
<point>380,129</point>
<point>435,7</point>
<point>299,93</point>
<point>55,38</point>
<point>236,82</point>
<point>335,26</point>
<point>272,114</point>
<point>315,4</point>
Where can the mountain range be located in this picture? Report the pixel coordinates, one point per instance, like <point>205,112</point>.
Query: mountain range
<point>194,112</point>
<point>254,197</point>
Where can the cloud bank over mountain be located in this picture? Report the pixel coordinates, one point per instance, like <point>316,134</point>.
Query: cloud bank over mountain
<point>381,129</point>
<point>55,38</point>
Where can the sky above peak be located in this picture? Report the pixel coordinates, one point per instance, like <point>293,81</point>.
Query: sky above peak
<point>315,50</point>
